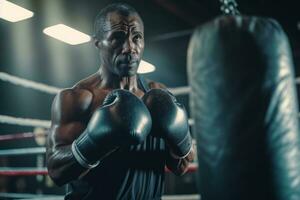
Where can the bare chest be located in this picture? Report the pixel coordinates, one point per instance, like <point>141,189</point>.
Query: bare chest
<point>99,96</point>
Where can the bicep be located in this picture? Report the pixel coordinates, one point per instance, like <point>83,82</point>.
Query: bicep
<point>68,116</point>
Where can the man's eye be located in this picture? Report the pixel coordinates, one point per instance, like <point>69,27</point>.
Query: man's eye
<point>118,37</point>
<point>137,38</point>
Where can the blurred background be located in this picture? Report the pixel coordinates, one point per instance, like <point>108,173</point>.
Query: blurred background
<point>26,52</point>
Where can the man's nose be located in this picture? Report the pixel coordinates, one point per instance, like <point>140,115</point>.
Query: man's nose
<point>128,46</point>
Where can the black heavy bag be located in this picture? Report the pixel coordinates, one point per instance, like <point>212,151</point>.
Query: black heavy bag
<point>243,100</point>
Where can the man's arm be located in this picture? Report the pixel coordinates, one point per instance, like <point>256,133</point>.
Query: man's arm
<point>178,166</point>
<point>79,140</point>
<point>69,111</point>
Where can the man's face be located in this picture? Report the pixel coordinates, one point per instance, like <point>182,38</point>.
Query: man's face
<point>122,44</point>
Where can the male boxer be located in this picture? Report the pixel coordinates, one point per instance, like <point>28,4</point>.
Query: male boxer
<point>112,133</point>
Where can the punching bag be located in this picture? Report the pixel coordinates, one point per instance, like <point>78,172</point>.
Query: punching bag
<point>243,100</point>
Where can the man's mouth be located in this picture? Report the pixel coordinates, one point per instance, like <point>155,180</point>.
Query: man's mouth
<point>129,63</point>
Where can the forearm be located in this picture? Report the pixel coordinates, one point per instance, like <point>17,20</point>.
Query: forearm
<point>179,166</point>
<point>62,165</point>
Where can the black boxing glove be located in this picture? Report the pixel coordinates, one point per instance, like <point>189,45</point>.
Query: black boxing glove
<point>122,120</point>
<point>169,121</point>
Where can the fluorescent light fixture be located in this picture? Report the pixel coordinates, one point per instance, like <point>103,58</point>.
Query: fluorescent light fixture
<point>12,12</point>
<point>145,67</point>
<point>67,34</point>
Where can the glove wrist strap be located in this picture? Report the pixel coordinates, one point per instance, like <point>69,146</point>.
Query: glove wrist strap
<point>81,159</point>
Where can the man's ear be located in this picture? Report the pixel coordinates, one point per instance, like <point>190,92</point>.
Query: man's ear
<point>96,41</point>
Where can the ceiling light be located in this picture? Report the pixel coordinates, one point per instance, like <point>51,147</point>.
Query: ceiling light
<point>145,67</point>
<point>12,12</point>
<point>67,34</point>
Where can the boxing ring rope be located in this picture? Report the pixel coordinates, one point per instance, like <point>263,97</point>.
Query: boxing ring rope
<point>182,197</point>
<point>29,84</point>
<point>5,119</point>
<point>31,171</point>
<point>22,171</point>
<point>54,90</point>
<point>28,196</point>
<point>180,90</point>
<point>24,121</point>
<point>23,151</point>
<point>25,135</point>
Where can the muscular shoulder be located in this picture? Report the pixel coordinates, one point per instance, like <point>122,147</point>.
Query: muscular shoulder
<point>89,83</point>
<point>156,85</point>
<point>69,103</point>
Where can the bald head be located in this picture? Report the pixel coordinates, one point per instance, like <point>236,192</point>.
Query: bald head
<point>104,17</point>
